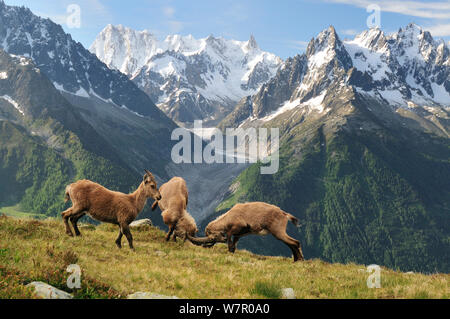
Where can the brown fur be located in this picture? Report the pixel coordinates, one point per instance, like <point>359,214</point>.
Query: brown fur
<point>173,203</point>
<point>185,226</point>
<point>108,206</point>
<point>256,218</point>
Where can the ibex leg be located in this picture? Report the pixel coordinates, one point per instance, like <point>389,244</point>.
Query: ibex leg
<point>72,211</point>
<point>74,219</point>
<point>232,243</point>
<point>170,232</point>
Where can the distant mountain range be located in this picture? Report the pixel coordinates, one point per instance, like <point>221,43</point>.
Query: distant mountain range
<point>66,62</point>
<point>187,78</point>
<point>407,69</point>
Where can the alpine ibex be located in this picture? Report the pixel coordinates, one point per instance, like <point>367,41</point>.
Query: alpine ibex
<point>108,206</point>
<point>173,206</point>
<point>256,218</point>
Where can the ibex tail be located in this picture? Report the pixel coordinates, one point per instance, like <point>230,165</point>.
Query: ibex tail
<point>66,194</point>
<point>293,219</point>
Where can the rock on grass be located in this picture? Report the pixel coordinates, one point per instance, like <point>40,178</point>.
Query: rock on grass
<point>141,222</point>
<point>287,293</point>
<point>46,291</point>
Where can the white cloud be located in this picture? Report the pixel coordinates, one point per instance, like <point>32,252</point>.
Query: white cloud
<point>439,30</point>
<point>97,13</point>
<point>169,11</point>
<point>350,32</point>
<point>174,25</point>
<point>422,9</point>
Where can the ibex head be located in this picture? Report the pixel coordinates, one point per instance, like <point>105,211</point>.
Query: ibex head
<point>150,187</point>
<point>213,235</point>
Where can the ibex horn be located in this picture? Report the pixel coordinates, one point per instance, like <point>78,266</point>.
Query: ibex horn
<point>200,241</point>
<point>146,171</point>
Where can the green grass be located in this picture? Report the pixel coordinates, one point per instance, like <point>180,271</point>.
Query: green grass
<point>35,175</point>
<point>16,211</point>
<point>40,250</point>
<point>269,290</point>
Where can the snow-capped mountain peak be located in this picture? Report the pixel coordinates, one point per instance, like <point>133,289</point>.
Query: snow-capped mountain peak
<point>251,44</point>
<point>406,66</point>
<point>70,67</point>
<point>189,78</point>
<point>405,69</point>
<point>373,39</point>
<point>125,49</point>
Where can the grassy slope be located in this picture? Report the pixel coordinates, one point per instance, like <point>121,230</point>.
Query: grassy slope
<point>34,175</point>
<point>39,250</point>
<point>15,211</point>
<point>31,172</point>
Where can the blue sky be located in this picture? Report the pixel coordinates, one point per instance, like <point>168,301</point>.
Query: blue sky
<point>283,27</point>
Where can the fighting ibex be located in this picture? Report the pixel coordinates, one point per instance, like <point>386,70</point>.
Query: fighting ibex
<point>173,206</point>
<point>108,206</point>
<point>250,218</point>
